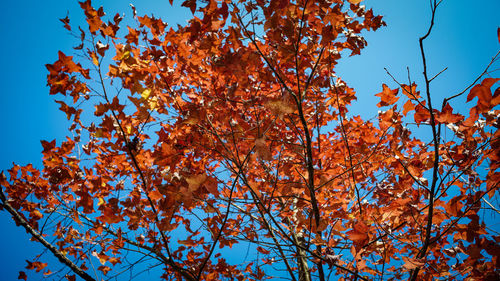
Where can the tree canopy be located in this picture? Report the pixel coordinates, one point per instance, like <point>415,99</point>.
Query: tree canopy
<point>225,149</point>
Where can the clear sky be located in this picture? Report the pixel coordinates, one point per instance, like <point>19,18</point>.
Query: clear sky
<point>464,40</point>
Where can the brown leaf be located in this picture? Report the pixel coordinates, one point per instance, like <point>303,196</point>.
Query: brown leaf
<point>411,263</point>
<point>66,22</point>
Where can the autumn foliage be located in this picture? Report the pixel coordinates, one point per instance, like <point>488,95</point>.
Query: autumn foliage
<point>225,150</point>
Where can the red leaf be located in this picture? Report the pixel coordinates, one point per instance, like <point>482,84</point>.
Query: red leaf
<point>191,4</point>
<point>48,146</point>
<point>263,251</point>
<point>36,265</point>
<point>22,275</point>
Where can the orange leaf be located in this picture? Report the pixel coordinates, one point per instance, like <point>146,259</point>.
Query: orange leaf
<point>104,269</point>
<point>359,234</point>
<point>67,61</point>
<point>195,181</point>
<point>407,107</point>
<point>155,195</point>
<point>421,114</point>
<point>483,93</point>
<point>387,96</point>
<point>410,91</point>
<point>36,265</point>
<point>263,151</point>
<point>447,116</point>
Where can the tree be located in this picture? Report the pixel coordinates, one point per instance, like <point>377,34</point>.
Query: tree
<point>234,130</point>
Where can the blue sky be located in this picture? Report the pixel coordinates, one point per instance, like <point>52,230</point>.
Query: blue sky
<point>464,40</point>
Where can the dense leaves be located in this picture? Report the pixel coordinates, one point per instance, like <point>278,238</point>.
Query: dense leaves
<point>193,144</point>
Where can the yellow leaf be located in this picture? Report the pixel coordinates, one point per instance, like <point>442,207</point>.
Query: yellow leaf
<point>95,60</point>
<point>153,103</point>
<point>125,55</point>
<point>101,201</point>
<point>145,94</point>
<point>36,214</point>
<point>355,1</point>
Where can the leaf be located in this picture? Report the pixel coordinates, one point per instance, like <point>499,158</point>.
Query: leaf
<point>411,263</point>
<point>355,1</point>
<point>133,36</point>
<point>95,59</point>
<point>48,146</point>
<point>262,149</point>
<point>447,117</point>
<point>101,257</point>
<point>387,96</point>
<point>191,4</point>
<point>421,114</point>
<point>407,107</point>
<point>483,93</point>
<point>22,275</point>
<point>359,234</point>
<point>101,48</point>
<point>104,269</point>
<point>155,195</point>
<point>36,265</point>
<point>188,242</point>
<point>100,109</point>
<point>66,22</point>
<point>145,94</point>
<point>263,251</point>
<point>195,181</point>
<point>67,61</point>
<point>134,11</point>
